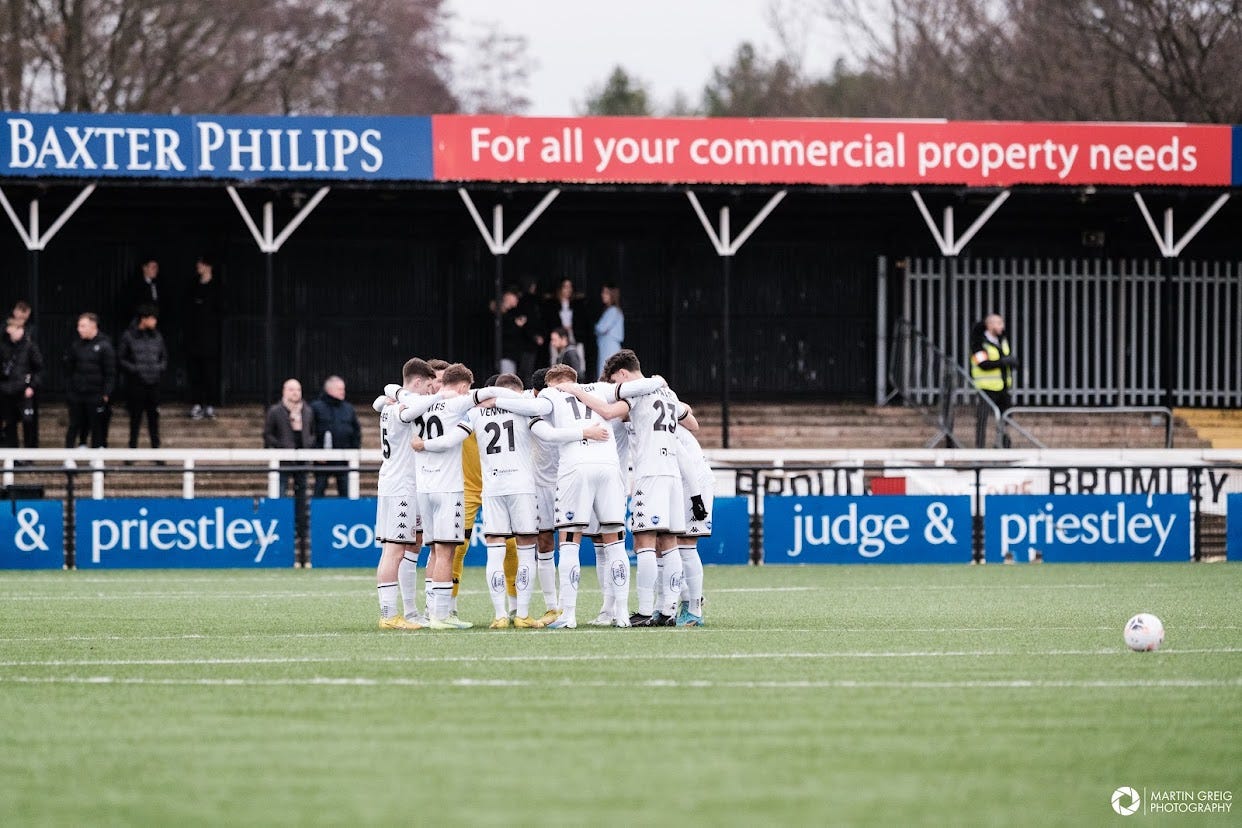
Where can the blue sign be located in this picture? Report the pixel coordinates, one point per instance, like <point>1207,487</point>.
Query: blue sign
<point>231,147</point>
<point>342,532</point>
<point>1088,528</point>
<point>868,529</point>
<point>32,534</point>
<point>1233,527</point>
<point>128,533</point>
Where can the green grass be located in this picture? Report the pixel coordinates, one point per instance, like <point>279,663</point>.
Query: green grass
<point>817,695</point>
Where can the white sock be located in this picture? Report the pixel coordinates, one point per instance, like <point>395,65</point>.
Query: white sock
<point>496,578</point>
<point>658,601</point>
<point>692,578</point>
<point>670,577</point>
<point>546,566</point>
<point>441,599</point>
<point>407,578</point>
<point>605,580</point>
<point>525,579</point>
<point>569,580</point>
<point>387,600</point>
<point>619,579</point>
<point>428,592</point>
<point>645,580</point>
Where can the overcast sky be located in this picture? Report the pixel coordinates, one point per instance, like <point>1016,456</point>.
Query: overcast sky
<point>669,44</point>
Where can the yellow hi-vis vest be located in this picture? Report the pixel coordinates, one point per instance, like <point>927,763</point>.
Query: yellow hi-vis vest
<point>991,379</point>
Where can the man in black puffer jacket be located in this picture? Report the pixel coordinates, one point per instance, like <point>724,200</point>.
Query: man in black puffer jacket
<point>21,369</point>
<point>336,427</point>
<point>90,372</point>
<point>143,358</point>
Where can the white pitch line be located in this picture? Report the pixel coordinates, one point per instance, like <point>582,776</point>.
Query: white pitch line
<point>540,658</point>
<point>846,684</point>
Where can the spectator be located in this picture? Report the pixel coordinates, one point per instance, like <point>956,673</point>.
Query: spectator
<point>512,331</point>
<point>336,427</point>
<point>21,369</point>
<point>30,413</point>
<point>991,368</point>
<point>290,424</point>
<point>533,329</point>
<point>90,371</point>
<point>142,292</point>
<point>567,311</point>
<point>144,359</point>
<point>202,342</point>
<point>565,352</point>
<point>610,329</point>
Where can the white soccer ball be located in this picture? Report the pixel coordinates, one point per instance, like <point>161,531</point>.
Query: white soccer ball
<point>1144,632</point>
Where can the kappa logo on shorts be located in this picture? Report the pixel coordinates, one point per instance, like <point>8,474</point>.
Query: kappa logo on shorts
<point>402,514</point>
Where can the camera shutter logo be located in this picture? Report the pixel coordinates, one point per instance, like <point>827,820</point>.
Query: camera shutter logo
<point>1126,801</point>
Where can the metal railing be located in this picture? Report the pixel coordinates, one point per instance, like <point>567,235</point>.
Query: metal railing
<point>1006,420</point>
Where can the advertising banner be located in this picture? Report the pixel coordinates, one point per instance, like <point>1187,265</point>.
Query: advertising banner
<point>32,534</point>
<point>129,533</point>
<point>870,529</point>
<point>828,151</point>
<point>1233,528</point>
<point>1088,528</point>
<point>231,147</point>
<point>343,534</point>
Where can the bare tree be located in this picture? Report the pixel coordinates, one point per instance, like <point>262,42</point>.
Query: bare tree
<point>1079,59</point>
<point>293,56</point>
<point>495,73</point>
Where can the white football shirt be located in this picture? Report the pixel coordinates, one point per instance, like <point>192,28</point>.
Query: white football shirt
<point>397,471</point>
<point>653,449</point>
<point>506,451</point>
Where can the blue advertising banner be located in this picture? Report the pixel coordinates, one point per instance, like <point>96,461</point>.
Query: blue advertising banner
<point>343,534</point>
<point>1088,528</point>
<point>1233,527</point>
<point>232,147</point>
<point>32,534</point>
<point>868,529</point>
<point>129,533</point>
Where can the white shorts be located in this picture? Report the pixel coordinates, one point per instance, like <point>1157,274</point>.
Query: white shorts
<point>658,505</point>
<point>545,509</point>
<point>509,515</point>
<point>590,491</point>
<point>707,490</point>
<point>397,519</point>
<point>442,514</point>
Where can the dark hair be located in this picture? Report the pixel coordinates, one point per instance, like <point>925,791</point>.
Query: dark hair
<point>510,381</point>
<point>490,381</point>
<point>210,261</point>
<point>144,311</point>
<point>537,381</point>
<point>438,364</point>
<point>563,332</point>
<point>623,359</point>
<point>456,373</point>
<point>614,293</point>
<point>416,367</point>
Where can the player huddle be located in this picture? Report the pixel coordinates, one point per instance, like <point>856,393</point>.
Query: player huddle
<point>552,457</point>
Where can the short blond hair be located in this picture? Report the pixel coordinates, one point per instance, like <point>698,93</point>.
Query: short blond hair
<point>560,373</point>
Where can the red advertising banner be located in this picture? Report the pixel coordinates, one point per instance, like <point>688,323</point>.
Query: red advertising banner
<point>827,152</point>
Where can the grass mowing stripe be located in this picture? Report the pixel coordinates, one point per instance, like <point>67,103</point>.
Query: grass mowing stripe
<point>364,681</point>
<point>610,657</point>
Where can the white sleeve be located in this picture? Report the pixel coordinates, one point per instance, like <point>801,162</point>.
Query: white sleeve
<point>548,434</point>
<point>380,402</point>
<point>526,406</point>
<point>637,388</point>
<point>391,390</point>
<point>416,405</point>
<point>454,438</point>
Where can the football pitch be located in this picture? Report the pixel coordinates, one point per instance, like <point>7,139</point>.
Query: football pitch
<point>814,695</point>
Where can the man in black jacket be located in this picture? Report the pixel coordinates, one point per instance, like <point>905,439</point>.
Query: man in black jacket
<point>202,342</point>
<point>90,371</point>
<point>143,358</point>
<point>336,427</point>
<point>21,369</point>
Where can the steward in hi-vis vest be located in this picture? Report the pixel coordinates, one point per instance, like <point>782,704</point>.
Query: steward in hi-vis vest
<point>991,369</point>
